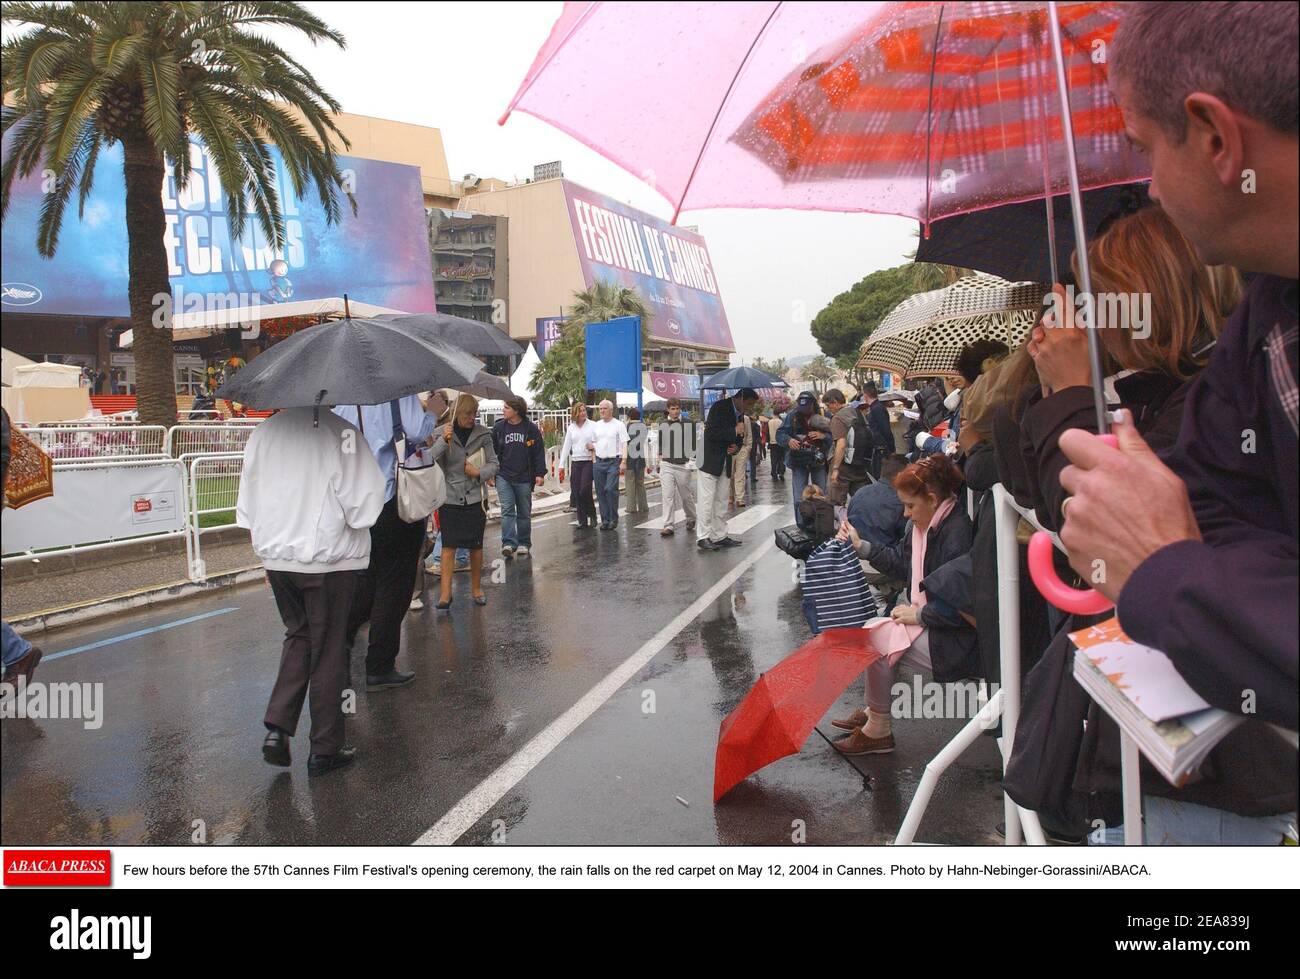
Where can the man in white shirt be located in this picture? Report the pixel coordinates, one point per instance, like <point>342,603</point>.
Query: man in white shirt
<point>609,447</point>
<point>309,495</point>
<point>383,594</point>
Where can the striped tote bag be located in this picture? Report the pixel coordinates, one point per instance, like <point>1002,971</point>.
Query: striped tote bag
<point>835,592</point>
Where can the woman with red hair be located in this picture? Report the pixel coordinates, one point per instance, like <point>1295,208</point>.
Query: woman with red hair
<point>925,632</point>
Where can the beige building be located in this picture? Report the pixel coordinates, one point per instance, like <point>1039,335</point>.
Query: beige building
<point>562,236</point>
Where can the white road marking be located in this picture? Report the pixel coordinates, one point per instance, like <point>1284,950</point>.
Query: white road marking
<point>751,517</point>
<point>658,522</point>
<point>462,816</point>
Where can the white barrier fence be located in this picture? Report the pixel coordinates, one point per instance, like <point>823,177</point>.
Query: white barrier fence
<point>102,504</point>
<point>66,443</point>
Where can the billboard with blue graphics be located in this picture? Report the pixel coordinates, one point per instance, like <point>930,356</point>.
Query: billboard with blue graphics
<point>380,255</point>
<point>668,266</point>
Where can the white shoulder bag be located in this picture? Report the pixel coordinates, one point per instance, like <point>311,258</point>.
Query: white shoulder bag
<point>422,488</point>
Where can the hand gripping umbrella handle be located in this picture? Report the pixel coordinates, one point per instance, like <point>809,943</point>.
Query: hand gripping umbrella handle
<point>1049,584</point>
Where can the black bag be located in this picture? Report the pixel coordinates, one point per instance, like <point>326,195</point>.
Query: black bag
<point>858,446</point>
<point>807,458</point>
<point>796,541</point>
<point>1049,734</point>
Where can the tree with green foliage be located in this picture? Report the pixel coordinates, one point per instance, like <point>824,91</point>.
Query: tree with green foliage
<point>561,378</point>
<point>847,320</point>
<point>149,76</point>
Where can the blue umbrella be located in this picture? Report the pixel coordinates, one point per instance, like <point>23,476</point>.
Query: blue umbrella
<point>744,377</point>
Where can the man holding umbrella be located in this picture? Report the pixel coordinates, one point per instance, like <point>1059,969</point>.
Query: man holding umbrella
<point>724,434</point>
<point>309,497</point>
<point>383,593</point>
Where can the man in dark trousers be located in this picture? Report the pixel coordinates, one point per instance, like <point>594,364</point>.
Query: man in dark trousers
<point>724,434</point>
<point>882,435</point>
<point>309,494</point>
<point>383,592</point>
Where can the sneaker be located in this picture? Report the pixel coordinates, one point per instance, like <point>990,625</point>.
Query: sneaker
<point>522,552</point>
<point>666,532</point>
<point>417,603</point>
<point>705,544</point>
<point>507,552</point>
<point>690,526</point>
<point>462,567</point>
<point>730,542</point>
<point>858,743</point>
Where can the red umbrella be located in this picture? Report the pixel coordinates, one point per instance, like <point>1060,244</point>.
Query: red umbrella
<point>776,717</point>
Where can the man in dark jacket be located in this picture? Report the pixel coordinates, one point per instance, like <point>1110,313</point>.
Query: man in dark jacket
<point>807,451</point>
<point>1202,554</point>
<point>724,434</point>
<point>882,435</point>
<point>521,453</point>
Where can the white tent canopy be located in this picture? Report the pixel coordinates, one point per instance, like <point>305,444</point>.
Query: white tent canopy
<point>31,375</point>
<point>200,323</point>
<point>8,361</point>
<point>521,380</point>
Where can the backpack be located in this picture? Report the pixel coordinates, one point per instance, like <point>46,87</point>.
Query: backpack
<point>858,443</point>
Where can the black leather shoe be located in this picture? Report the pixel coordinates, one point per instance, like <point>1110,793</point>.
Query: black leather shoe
<point>731,542</point>
<point>323,764</point>
<point>705,544</point>
<point>384,681</point>
<point>275,749</point>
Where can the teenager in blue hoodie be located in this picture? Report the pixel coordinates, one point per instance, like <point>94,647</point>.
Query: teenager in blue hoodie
<point>521,453</point>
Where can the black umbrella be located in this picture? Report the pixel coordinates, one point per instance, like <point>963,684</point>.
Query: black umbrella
<point>351,362</point>
<point>743,377</point>
<point>480,339</point>
<point>1011,241</point>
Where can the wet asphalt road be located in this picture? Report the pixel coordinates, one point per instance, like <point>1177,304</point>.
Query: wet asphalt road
<point>177,756</point>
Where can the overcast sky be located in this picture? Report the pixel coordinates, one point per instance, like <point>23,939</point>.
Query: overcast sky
<point>455,66</point>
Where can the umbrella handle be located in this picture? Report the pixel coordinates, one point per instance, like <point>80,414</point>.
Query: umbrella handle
<point>1049,584</point>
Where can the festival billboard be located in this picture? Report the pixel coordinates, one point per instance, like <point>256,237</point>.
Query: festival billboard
<point>670,385</point>
<point>669,267</point>
<point>380,255</point>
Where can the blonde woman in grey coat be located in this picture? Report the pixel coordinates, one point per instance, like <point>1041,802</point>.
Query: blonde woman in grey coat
<point>464,449</point>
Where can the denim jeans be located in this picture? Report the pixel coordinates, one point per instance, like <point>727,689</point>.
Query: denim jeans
<point>1167,822</point>
<point>516,513</point>
<point>462,554</point>
<point>606,475</point>
<point>15,647</point>
<point>801,479</point>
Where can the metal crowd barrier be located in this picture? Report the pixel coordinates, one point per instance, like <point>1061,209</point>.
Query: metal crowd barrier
<point>207,438</point>
<point>102,545</point>
<point>213,487</point>
<point>1004,704</point>
<point>90,442</point>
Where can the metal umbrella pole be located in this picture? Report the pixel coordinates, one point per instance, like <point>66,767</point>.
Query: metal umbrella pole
<point>1080,232</point>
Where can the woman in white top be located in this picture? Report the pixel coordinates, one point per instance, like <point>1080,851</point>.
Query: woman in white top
<point>576,452</point>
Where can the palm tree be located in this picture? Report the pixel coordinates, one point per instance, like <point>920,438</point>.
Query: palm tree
<point>821,370</point>
<point>927,276</point>
<point>561,377</point>
<point>149,76</point>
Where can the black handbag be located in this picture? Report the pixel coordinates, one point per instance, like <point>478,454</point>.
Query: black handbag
<point>796,541</point>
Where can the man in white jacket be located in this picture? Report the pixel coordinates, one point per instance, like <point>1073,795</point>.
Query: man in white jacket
<point>309,494</point>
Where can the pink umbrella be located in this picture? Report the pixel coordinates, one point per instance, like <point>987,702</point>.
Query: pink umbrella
<point>924,110</point>
<point>919,109</point>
